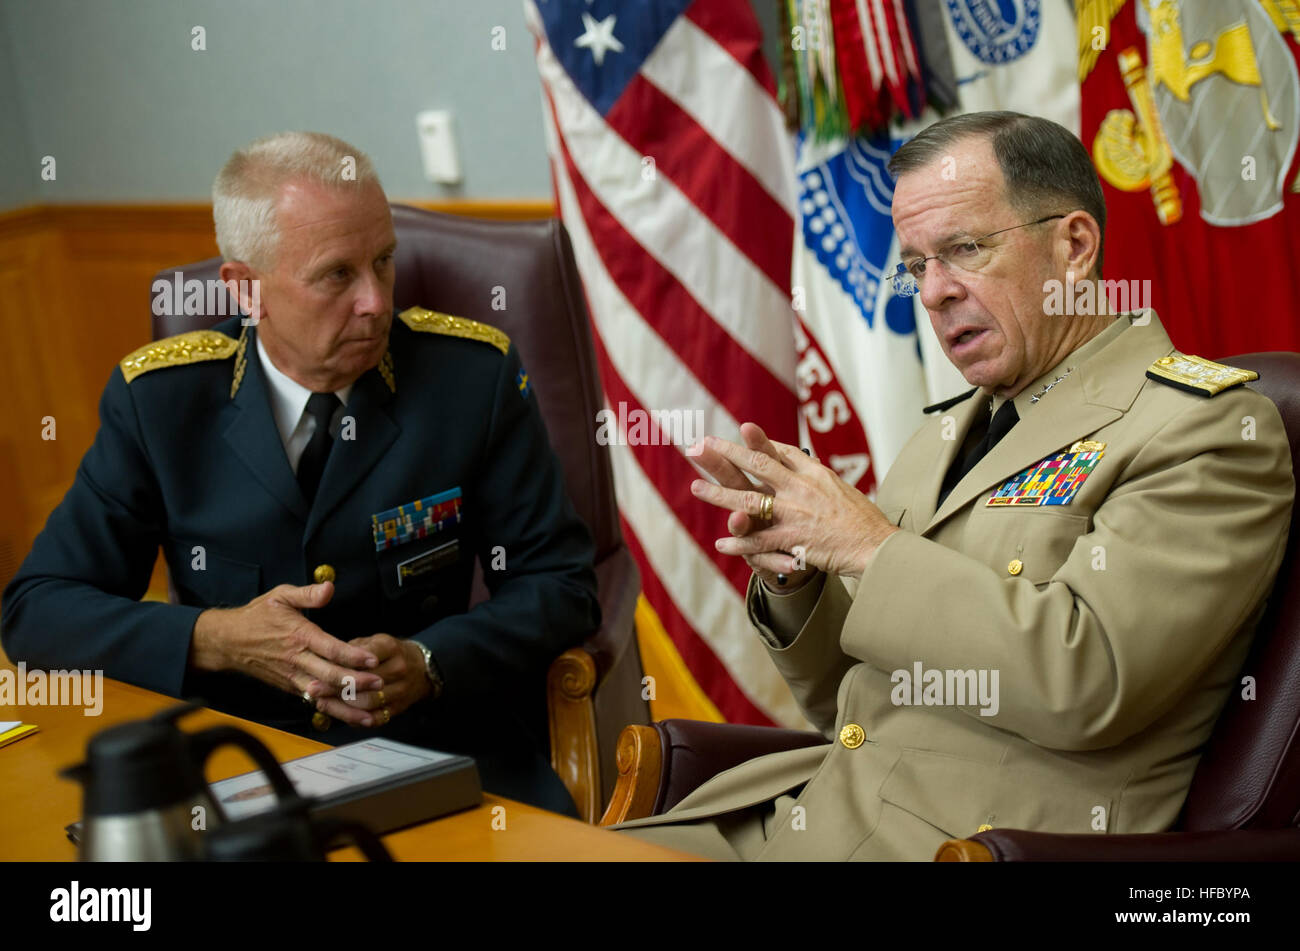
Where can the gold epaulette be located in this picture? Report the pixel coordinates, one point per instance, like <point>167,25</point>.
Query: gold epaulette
<point>181,350</point>
<point>1197,374</point>
<point>430,321</point>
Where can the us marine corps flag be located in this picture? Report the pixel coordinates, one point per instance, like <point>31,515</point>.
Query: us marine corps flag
<point>1191,109</point>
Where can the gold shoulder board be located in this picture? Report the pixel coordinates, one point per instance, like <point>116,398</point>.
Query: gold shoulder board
<point>1197,374</point>
<point>181,350</point>
<point>430,321</point>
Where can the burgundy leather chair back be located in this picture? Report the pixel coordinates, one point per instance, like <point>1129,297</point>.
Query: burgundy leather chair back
<point>1249,775</point>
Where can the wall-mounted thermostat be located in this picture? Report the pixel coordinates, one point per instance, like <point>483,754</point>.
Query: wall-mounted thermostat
<point>438,147</point>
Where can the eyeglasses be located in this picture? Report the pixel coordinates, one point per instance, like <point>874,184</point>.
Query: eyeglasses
<point>969,255</point>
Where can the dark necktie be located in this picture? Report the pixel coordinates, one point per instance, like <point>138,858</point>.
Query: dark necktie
<point>1003,420</point>
<point>321,406</point>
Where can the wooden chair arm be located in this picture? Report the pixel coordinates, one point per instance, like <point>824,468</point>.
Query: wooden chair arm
<point>1208,845</point>
<point>571,714</point>
<point>640,764</point>
<point>963,850</point>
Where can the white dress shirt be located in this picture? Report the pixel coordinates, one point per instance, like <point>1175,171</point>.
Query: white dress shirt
<point>289,408</point>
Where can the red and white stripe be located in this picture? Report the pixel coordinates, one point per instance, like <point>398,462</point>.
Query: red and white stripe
<point>687,277</point>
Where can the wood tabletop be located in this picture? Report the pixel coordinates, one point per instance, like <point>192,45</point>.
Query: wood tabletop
<point>36,805</point>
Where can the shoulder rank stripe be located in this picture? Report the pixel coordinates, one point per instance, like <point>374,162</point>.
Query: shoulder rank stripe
<point>431,321</point>
<point>1197,375</point>
<point>386,370</point>
<point>181,350</point>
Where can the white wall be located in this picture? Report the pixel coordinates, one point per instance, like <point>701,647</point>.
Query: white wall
<point>113,90</point>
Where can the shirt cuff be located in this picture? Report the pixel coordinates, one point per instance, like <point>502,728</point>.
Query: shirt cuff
<point>780,617</point>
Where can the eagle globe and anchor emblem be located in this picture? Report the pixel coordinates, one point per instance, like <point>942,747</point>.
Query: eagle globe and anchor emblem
<point>1219,93</point>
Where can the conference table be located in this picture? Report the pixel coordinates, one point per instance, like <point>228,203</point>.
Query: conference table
<point>36,804</point>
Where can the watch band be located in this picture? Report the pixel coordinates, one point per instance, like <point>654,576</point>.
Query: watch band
<point>431,671</point>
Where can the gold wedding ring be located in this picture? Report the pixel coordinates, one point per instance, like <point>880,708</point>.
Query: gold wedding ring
<point>387,716</point>
<point>382,701</point>
<point>765,509</point>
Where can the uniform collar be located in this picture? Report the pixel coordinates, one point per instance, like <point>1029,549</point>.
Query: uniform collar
<point>1030,396</point>
<point>288,396</point>
<point>1099,391</point>
<point>248,424</point>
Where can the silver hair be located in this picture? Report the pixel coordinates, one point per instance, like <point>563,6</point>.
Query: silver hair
<point>246,188</point>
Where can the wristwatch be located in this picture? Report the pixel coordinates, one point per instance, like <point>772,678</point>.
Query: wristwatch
<point>431,671</point>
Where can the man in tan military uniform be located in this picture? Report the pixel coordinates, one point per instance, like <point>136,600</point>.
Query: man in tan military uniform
<point>1055,658</point>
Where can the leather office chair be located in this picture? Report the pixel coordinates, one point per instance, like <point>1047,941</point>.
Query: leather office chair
<point>1244,800</point>
<point>454,264</point>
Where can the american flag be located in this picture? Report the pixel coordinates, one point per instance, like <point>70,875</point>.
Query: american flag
<point>674,176</point>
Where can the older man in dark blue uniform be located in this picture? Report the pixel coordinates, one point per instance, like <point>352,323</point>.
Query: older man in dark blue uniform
<point>321,477</point>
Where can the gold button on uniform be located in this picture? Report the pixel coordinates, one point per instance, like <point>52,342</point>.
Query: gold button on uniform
<point>323,573</point>
<point>321,721</point>
<point>1015,566</point>
<point>852,736</point>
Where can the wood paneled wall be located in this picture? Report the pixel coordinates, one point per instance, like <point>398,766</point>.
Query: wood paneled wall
<point>74,299</point>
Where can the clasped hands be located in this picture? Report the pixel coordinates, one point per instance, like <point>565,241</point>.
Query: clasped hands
<point>363,682</point>
<point>816,521</point>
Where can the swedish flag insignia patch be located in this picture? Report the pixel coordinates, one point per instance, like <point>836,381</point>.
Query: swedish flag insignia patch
<point>1197,374</point>
<point>522,381</point>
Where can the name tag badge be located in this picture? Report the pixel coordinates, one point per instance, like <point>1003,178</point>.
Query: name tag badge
<point>419,519</point>
<point>428,562</point>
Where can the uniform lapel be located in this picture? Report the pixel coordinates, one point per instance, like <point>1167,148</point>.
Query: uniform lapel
<point>249,429</point>
<point>351,459</point>
<point>929,482</point>
<point>1095,395</point>
<point>1037,435</point>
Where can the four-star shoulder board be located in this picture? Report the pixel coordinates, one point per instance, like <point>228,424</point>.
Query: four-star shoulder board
<point>431,321</point>
<point>1197,374</point>
<point>181,350</point>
